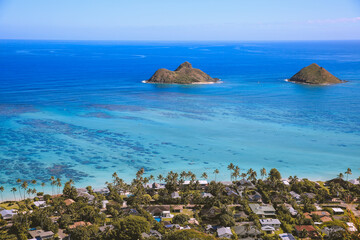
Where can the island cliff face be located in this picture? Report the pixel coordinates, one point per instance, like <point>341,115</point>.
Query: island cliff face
<point>316,75</point>
<point>184,74</point>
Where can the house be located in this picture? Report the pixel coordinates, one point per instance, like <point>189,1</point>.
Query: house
<point>103,191</point>
<point>247,231</point>
<point>275,223</point>
<point>240,214</point>
<point>224,232</point>
<point>78,224</point>
<point>320,213</point>
<point>8,214</point>
<point>40,204</point>
<point>351,227</point>
<point>177,208</point>
<point>285,182</point>
<point>256,197</point>
<point>193,221</point>
<point>268,229</point>
<point>103,203</point>
<point>292,211</point>
<point>68,201</point>
<point>205,195</point>
<point>166,214</point>
<point>338,211</point>
<point>202,183</point>
<point>41,234</point>
<point>326,219</point>
<point>175,195</point>
<point>263,210</point>
<point>354,181</point>
<point>86,195</point>
<point>245,184</point>
<point>157,210</point>
<point>153,233</point>
<point>231,192</point>
<point>330,230</point>
<point>308,229</point>
<point>226,183</point>
<point>310,195</point>
<point>286,236</point>
<point>296,196</point>
<point>212,212</point>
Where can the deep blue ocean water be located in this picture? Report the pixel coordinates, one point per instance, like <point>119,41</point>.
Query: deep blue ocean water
<point>79,110</point>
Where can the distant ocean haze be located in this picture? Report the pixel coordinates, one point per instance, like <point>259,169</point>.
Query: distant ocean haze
<point>79,110</point>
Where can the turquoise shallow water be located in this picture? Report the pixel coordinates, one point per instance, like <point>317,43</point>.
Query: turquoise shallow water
<point>79,110</point>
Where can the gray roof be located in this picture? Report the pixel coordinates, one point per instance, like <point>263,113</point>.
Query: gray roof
<point>263,209</point>
<point>270,222</point>
<point>224,230</point>
<point>41,233</point>
<point>246,230</point>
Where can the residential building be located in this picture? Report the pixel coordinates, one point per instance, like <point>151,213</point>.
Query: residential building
<point>224,232</point>
<point>263,210</point>
<point>275,223</point>
<point>41,234</point>
<point>247,231</point>
<point>287,236</point>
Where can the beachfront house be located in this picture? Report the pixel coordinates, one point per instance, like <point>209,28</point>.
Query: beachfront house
<point>8,214</point>
<point>224,232</point>
<point>40,204</point>
<point>263,210</point>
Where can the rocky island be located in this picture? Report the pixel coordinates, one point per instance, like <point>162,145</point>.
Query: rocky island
<point>184,74</point>
<point>314,75</point>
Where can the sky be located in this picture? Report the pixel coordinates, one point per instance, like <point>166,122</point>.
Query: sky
<point>180,20</point>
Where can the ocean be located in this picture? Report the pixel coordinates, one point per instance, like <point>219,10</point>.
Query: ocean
<point>79,110</point>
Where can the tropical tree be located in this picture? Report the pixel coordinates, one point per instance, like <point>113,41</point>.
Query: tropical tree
<point>216,172</point>
<point>236,172</point>
<point>160,178</point>
<point>2,190</point>
<point>58,184</point>
<point>19,181</point>
<point>52,182</point>
<point>348,172</point>
<point>341,176</point>
<point>13,190</point>
<point>263,173</point>
<point>274,175</point>
<point>251,174</point>
<point>24,186</point>
<point>231,167</point>
<point>43,185</point>
<point>204,175</point>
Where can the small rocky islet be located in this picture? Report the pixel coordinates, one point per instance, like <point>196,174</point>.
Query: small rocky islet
<point>315,75</point>
<point>184,74</point>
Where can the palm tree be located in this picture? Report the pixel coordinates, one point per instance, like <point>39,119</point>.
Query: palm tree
<point>52,179</point>
<point>236,172</point>
<point>19,181</point>
<point>58,184</point>
<point>216,172</point>
<point>29,191</point>
<point>251,174</point>
<point>204,175</point>
<point>114,175</point>
<point>243,175</point>
<point>71,182</point>
<point>151,178</point>
<point>24,186</point>
<point>341,176</point>
<point>13,190</point>
<point>1,190</point>
<point>230,167</point>
<point>160,178</point>
<point>348,172</point>
<point>263,173</point>
<point>33,191</point>
<point>43,185</point>
<point>183,175</point>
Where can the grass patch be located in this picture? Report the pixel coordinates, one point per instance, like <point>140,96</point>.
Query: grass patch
<point>9,205</point>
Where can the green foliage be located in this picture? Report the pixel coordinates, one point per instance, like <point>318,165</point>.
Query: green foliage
<point>226,220</point>
<point>180,219</point>
<point>69,191</point>
<point>274,175</point>
<point>130,228</point>
<point>84,233</point>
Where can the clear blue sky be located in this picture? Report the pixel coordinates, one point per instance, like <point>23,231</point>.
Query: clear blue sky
<point>180,19</point>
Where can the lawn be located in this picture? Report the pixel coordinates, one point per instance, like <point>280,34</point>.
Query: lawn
<point>9,205</point>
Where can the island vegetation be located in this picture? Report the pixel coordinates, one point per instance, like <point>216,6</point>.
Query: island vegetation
<point>184,206</point>
<point>184,74</point>
<point>314,75</point>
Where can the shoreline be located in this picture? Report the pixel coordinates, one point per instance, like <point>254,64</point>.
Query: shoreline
<point>195,83</point>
